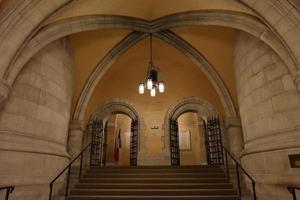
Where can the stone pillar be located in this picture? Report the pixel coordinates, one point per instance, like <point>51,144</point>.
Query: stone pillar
<point>269,105</point>
<point>34,122</point>
<point>234,136</point>
<point>75,137</point>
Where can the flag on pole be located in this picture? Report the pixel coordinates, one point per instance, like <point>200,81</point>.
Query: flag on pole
<point>118,145</point>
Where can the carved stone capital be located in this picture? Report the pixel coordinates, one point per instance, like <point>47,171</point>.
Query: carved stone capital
<point>5,89</point>
<point>77,125</point>
<point>232,122</point>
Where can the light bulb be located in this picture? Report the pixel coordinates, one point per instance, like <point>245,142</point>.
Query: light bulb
<point>161,87</point>
<point>141,88</point>
<point>152,92</point>
<point>149,84</point>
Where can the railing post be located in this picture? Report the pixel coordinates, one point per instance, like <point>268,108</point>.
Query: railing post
<point>50,193</point>
<point>238,179</point>
<point>80,168</point>
<point>294,194</point>
<point>67,186</point>
<point>253,188</point>
<point>7,193</point>
<point>227,168</point>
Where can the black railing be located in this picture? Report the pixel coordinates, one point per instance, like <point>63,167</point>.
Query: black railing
<point>9,189</point>
<point>239,169</point>
<point>68,167</point>
<point>293,192</point>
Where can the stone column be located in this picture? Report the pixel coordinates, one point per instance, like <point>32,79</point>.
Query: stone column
<point>75,137</point>
<point>235,136</point>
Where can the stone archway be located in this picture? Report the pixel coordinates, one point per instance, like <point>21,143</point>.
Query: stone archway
<point>170,38</point>
<point>120,106</point>
<point>240,21</point>
<point>202,107</point>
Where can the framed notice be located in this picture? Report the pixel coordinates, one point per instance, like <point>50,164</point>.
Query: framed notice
<point>185,140</point>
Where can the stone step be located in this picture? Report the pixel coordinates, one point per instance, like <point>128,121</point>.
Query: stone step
<point>154,180</point>
<point>154,171</point>
<point>155,185</point>
<point>160,167</point>
<point>153,175</point>
<point>215,197</point>
<point>152,192</point>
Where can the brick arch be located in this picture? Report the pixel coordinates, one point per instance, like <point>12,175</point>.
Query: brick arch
<point>120,106</point>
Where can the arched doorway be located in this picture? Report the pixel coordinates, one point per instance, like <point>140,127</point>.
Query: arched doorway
<point>185,130</point>
<point>113,124</point>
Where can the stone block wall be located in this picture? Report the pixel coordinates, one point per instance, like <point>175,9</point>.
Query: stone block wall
<point>196,155</point>
<point>269,106</point>
<point>34,123</point>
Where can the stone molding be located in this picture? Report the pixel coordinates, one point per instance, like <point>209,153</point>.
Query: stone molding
<point>5,89</point>
<point>297,80</point>
<point>77,125</point>
<point>18,23</point>
<point>107,61</point>
<point>283,18</point>
<point>170,38</point>
<point>199,105</point>
<point>205,66</point>
<point>232,122</point>
<point>29,44</point>
<point>25,144</point>
<point>240,21</point>
<point>115,106</point>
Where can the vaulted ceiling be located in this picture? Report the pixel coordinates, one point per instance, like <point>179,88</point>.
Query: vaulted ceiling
<point>214,42</point>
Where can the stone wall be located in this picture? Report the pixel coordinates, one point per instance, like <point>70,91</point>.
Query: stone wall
<point>196,155</point>
<point>270,108</point>
<point>34,123</point>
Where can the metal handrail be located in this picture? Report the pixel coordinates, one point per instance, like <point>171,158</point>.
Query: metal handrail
<point>9,189</point>
<point>239,166</point>
<point>68,167</point>
<point>292,189</point>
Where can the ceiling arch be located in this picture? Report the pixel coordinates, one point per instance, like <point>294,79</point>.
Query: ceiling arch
<point>20,23</point>
<point>173,40</point>
<point>69,26</point>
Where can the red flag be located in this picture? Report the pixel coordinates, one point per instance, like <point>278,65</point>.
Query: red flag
<point>118,145</point>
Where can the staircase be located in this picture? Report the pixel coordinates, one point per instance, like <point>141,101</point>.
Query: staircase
<point>185,182</point>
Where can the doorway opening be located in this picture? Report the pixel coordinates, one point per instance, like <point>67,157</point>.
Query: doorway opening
<point>114,141</point>
<point>118,129</point>
<point>191,136</point>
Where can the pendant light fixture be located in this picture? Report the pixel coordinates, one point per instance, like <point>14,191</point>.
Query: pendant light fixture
<point>152,82</point>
